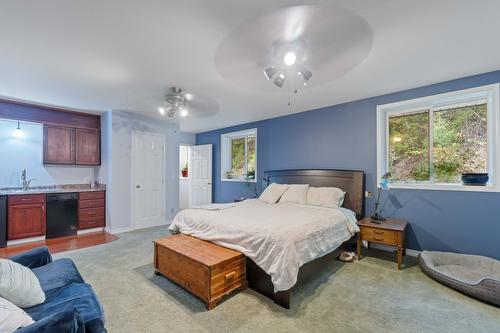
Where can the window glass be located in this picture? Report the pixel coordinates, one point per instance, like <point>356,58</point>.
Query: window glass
<point>408,147</point>
<point>251,158</point>
<point>238,157</point>
<point>460,142</point>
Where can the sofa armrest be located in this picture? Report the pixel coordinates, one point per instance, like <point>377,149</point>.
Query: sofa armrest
<point>37,257</point>
<point>66,321</point>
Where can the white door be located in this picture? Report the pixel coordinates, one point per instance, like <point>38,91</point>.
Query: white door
<point>200,158</point>
<point>148,181</point>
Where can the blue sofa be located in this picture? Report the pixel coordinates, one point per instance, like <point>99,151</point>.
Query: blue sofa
<point>70,305</point>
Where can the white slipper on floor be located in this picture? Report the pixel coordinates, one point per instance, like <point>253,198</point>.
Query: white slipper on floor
<point>347,256</point>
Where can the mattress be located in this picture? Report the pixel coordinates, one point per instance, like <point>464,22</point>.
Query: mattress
<point>279,238</point>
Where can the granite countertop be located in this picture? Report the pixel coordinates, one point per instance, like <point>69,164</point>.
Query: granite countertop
<point>52,189</point>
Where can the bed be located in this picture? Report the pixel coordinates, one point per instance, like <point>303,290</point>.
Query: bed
<point>285,243</point>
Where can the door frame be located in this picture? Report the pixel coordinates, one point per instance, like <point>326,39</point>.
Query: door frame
<point>134,133</point>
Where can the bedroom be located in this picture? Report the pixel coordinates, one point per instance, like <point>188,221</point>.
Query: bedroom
<point>135,106</point>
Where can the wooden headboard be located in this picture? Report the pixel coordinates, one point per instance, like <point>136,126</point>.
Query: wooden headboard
<point>351,182</point>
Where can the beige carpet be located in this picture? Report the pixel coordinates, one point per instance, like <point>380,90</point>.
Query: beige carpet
<point>367,296</point>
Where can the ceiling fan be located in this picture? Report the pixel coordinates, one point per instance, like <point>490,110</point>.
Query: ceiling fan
<point>178,101</point>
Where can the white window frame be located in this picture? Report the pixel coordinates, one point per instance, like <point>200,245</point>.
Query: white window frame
<point>225,140</point>
<point>490,93</point>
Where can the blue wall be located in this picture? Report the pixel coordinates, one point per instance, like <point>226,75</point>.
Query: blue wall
<point>344,137</point>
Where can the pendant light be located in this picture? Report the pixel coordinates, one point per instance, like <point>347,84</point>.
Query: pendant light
<point>18,132</point>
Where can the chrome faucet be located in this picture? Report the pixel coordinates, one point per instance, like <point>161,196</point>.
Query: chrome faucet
<point>26,183</point>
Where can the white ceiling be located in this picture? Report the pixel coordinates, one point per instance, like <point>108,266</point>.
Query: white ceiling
<point>123,55</point>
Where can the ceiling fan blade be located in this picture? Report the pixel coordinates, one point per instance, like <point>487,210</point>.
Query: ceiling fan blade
<point>201,106</point>
<point>336,40</point>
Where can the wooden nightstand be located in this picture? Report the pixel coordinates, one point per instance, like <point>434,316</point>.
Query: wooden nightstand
<point>389,232</point>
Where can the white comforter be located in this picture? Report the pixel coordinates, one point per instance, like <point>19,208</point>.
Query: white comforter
<point>279,238</point>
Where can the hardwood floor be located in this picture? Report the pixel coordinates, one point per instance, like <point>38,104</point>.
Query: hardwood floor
<point>61,244</point>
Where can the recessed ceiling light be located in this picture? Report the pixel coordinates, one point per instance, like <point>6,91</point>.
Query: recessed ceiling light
<point>188,96</point>
<point>161,110</point>
<point>184,112</point>
<point>290,58</point>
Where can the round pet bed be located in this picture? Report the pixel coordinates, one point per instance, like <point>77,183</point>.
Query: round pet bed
<point>472,275</point>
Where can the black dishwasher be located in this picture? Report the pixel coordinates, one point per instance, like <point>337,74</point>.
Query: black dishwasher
<point>62,214</point>
<point>3,221</point>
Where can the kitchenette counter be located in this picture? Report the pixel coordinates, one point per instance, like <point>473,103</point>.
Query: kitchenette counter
<point>51,189</point>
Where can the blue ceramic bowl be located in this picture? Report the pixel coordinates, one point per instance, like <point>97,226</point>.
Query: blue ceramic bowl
<point>477,179</point>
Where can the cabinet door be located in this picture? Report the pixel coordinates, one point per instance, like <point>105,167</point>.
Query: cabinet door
<point>26,220</point>
<point>58,145</point>
<point>88,147</point>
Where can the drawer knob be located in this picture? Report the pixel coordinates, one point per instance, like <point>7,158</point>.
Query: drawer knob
<point>378,232</point>
<point>378,239</point>
<point>230,275</point>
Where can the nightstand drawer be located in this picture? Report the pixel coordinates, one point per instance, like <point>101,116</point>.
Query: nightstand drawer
<point>388,237</point>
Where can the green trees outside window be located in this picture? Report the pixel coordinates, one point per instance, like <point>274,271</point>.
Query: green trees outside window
<point>438,144</point>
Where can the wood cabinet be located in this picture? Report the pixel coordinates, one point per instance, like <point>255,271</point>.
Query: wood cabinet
<point>87,147</point>
<point>91,210</point>
<point>26,216</point>
<point>58,145</point>
<point>71,146</point>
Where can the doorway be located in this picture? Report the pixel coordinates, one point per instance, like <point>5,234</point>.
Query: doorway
<point>184,180</point>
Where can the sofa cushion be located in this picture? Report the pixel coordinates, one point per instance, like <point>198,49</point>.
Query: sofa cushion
<point>34,258</point>
<point>57,274</point>
<point>19,285</point>
<point>75,296</point>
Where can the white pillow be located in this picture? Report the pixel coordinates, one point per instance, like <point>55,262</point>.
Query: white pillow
<point>325,197</point>
<point>12,317</point>
<point>296,193</point>
<point>273,193</point>
<point>19,285</point>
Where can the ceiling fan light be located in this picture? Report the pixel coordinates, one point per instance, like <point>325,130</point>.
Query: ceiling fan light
<point>306,75</point>
<point>188,96</point>
<point>171,112</point>
<point>270,72</point>
<point>280,80</point>
<point>161,110</point>
<point>290,58</point>
<point>183,112</point>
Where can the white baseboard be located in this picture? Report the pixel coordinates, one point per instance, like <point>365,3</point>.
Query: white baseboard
<point>411,253</point>
<point>25,240</point>
<point>88,231</point>
<point>115,231</point>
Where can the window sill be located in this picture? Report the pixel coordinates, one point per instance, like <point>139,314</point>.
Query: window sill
<point>183,178</point>
<point>445,187</point>
<point>239,180</point>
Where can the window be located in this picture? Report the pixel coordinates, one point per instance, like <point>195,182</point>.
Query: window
<point>239,156</point>
<point>429,142</point>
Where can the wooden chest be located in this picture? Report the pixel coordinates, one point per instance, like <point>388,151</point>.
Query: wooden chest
<point>205,269</point>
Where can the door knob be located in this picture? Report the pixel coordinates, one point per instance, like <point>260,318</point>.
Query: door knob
<point>137,186</point>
